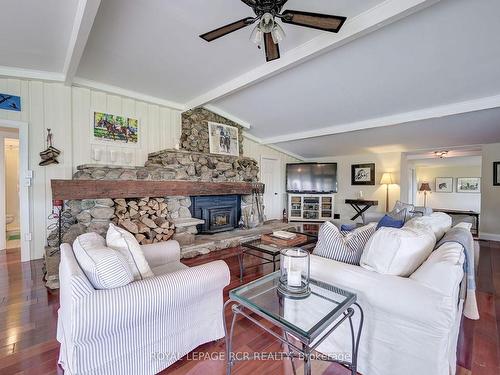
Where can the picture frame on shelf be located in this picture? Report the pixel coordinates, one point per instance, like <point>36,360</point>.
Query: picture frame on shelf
<point>468,185</point>
<point>496,173</point>
<point>363,174</point>
<point>444,185</point>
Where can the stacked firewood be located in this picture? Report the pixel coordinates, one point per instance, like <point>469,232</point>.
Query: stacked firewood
<point>145,218</point>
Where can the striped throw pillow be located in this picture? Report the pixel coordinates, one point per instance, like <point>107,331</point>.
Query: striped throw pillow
<point>346,247</point>
<point>104,267</point>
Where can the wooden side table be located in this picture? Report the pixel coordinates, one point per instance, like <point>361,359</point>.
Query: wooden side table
<point>360,206</point>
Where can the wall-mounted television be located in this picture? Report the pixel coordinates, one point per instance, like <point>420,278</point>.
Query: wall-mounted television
<point>311,178</point>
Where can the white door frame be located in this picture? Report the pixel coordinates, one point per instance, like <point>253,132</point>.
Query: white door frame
<point>24,181</point>
<point>278,178</point>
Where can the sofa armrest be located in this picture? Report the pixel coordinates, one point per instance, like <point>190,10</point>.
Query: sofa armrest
<point>159,253</point>
<point>150,299</point>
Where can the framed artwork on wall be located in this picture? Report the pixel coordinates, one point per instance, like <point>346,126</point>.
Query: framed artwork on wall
<point>468,185</point>
<point>444,184</point>
<point>223,139</point>
<point>363,174</point>
<point>108,128</point>
<point>496,173</point>
<point>10,102</point>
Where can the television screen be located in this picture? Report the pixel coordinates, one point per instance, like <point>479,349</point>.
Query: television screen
<point>311,178</point>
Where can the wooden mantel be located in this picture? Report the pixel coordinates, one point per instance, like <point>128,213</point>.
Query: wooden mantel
<point>94,189</point>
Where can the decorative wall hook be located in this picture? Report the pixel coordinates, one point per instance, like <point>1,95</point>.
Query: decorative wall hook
<point>49,156</point>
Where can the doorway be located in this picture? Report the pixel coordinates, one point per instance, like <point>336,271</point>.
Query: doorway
<point>270,175</point>
<point>12,235</point>
<point>15,180</point>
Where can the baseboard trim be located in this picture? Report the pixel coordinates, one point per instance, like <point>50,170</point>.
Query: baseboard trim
<point>489,236</point>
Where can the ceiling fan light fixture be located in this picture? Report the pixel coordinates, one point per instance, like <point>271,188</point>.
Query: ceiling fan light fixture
<point>441,154</point>
<point>257,36</point>
<point>266,23</point>
<point>278,33</point>
<point>268,33</point>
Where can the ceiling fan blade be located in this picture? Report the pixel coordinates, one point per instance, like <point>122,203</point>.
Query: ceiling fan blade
<point>224,30</point>
<point>272,50</point>
<point>313,20</point>
<point>250,3</point>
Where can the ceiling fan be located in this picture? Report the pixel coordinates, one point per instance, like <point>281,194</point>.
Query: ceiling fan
<point>268,30</point>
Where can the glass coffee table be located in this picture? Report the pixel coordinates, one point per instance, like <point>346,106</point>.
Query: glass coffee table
<point>270,252</point>
<point>309,320</point>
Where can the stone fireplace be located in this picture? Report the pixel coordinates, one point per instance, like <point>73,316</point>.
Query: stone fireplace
<point>171,196</point>
<point>219,212</point>
<point>153,217</point>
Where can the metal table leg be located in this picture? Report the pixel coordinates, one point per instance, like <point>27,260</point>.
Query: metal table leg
<point>229,337</point>
<point>290,352</point>
<point>307,359</point>
<point>240,261</point>
<point>306,350</point>
<point>355,340</point>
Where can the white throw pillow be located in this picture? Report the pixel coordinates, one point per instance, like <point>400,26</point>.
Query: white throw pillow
<point>439,222</point>
<point>104,267</point>
<point>124,242</point>
<point>345,247</point>
<point>398,252</point>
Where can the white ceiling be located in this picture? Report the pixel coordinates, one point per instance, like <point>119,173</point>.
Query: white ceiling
<point>428,59</point>
<point>469,161</point>
<point>473,128</point>
<point>431,64</point>
<point>154,46</point>
<point>35,34</point>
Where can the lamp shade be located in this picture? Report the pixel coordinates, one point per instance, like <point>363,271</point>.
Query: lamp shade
<point>424,186</point>
<point>386,179</point>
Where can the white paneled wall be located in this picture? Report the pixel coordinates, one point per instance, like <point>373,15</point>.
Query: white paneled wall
<point>255,150</point>
<point>159,128</point>
<point>67,111</point>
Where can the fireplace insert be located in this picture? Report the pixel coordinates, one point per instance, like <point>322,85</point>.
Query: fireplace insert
<point>220,212</point>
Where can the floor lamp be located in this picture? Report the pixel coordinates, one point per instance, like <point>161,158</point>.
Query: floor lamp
<point>424,187</point>
<point>386,180</point>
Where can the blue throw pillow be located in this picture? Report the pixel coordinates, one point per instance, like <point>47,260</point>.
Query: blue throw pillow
<point>388,221</point>
<point>347,227</point>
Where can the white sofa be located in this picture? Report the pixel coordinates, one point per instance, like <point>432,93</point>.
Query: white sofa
<point>145,326</point>
<point>411,324</point>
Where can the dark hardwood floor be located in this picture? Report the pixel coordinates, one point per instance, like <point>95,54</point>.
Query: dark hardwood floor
<point>28,315</point>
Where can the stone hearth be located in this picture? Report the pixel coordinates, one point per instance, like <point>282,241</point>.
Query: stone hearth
<point>206,243</point>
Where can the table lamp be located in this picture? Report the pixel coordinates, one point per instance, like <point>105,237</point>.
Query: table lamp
<point>424,186</point>
<point>387,180</point>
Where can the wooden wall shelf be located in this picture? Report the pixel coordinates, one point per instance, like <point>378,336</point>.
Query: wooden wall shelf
<point>94,189</point>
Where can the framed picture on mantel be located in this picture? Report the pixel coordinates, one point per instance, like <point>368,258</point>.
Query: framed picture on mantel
<point>363,174</point>
<point>223,139</point>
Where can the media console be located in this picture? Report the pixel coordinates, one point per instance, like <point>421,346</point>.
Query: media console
<point>310,207</point>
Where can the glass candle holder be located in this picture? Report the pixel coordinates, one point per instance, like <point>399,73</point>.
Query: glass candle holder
<point>294,273</point>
